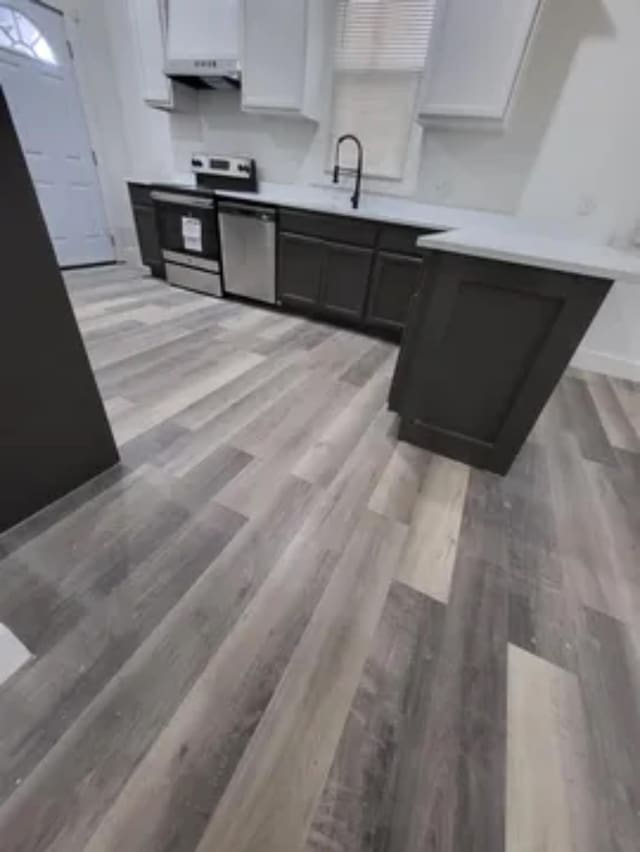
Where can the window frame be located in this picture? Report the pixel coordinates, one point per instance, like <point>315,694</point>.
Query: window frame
<point>30,52</point>
<point>414,131</point>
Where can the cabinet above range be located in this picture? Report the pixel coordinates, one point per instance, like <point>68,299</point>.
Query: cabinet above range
<point>280,53</point>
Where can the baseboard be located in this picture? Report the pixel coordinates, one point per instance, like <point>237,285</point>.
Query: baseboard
<point>600,362</point>
<point>74,267</point>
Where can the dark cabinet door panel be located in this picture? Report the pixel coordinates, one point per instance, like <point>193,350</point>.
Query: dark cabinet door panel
<point>493,335</point>
<point>418,305</point>
<point>144,216</point>
<point>395,279</point>
<point>140,193</point>
<point>148,237</point>
<point>300,265</point>
<point>345,280</point>
<point>487,346</point>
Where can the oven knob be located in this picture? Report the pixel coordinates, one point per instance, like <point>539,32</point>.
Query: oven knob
<point>197,163</point>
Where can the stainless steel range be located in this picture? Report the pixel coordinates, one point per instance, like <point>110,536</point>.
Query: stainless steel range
<point>188,224</point>
<point>188,229</point>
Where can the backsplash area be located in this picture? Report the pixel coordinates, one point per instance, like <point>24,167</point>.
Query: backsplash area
<point>288,150</point>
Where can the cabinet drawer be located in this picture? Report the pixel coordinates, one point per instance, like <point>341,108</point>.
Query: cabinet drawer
<point>343,229</point>
<point>140,193</point>
<point>402,239</point>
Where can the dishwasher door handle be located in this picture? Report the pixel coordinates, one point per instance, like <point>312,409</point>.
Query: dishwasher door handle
<point>265,214</point>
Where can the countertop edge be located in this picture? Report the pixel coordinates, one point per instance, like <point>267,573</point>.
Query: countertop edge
<point>544,253</point>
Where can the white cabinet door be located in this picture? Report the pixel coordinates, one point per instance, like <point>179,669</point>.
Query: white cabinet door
<point>204,29</point>
<point>148,31</point>
<point>274,54</point>
<point>476,55</point>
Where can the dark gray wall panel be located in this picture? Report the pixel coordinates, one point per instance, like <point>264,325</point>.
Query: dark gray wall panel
<point>54,434</point>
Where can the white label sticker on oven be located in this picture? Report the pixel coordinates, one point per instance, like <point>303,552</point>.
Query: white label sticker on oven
<point>192,233</point>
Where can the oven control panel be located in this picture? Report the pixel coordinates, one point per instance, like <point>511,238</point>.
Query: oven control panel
<point>222,172</point>
<point>236,167</point>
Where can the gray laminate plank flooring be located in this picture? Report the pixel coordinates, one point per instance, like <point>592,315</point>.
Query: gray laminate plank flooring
<point>275,628</point>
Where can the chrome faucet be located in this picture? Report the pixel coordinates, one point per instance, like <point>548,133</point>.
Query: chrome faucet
<point>338,170</point>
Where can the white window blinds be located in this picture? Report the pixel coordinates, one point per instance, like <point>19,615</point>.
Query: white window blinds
<point>381,47</point>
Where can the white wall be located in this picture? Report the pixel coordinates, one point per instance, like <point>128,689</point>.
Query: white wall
<point>588,164</point>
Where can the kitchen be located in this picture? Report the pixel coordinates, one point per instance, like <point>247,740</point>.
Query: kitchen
<point>345,266</point>
<point>365,573</point>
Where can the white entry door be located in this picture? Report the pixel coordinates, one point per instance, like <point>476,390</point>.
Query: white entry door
<point>37,75</point>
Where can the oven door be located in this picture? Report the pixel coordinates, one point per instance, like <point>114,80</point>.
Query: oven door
<point>189,241</point>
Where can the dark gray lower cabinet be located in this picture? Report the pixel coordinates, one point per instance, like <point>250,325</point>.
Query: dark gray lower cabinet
<point>345,281</point>
<point>395,279</point>
<point>485,345</point>
<point>348,269</point>
<point>323,277</point>
<point>144,216</point>
<point>300,265</point>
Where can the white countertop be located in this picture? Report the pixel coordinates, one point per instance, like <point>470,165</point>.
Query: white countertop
<point>382,208</point>
<point>545,243</point>
<point>549,252</point>
<point>387,208</point>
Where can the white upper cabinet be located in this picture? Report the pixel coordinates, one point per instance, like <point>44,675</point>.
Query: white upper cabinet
<point>203,29</point>
<point>149,27</point>
<point>149,34</point>
<point>477,51</point>
<point>287,56</point>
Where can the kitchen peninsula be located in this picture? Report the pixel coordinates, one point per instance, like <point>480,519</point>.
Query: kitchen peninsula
<point>491,331</point>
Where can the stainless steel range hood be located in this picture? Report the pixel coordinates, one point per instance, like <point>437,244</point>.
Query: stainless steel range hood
<point>203,43</point>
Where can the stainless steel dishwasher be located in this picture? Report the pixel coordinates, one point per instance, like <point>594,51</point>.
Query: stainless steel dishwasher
<point>248,238</point>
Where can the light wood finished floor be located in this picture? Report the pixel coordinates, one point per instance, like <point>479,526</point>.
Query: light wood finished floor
<point>274,628</point>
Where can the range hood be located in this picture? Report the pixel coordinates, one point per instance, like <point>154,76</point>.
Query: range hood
<point>203,43</point>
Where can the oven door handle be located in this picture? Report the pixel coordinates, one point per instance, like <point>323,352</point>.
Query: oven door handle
<point>183,200</point>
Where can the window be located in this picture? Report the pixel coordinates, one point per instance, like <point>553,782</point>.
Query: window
<point>21,35</point>
<point>381,47</point>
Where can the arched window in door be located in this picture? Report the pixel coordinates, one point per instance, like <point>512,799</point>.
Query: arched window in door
<point>21,35</point>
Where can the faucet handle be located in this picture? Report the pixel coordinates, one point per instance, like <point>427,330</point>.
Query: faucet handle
<point>336,174</point>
